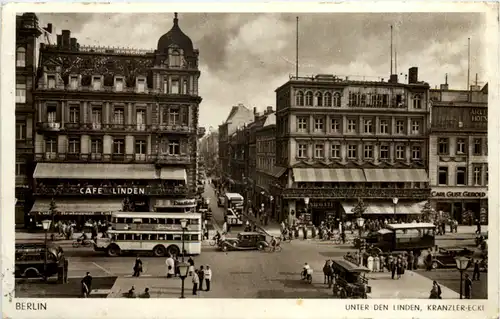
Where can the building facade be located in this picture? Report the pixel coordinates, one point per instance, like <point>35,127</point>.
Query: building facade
<point>210,152</point>
<point>341,140</point>
<point>458,157</point>
<point>115,125</point>
<point>27,34</point>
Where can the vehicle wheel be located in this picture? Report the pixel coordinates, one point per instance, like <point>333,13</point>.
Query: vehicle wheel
<point>278,249</point>
<point>159,251</point>
<point>211,242</point>
<point>434,265</point>
<point>113,251</point>
<point>224,247</point>
<point>76,244</point>
<point>310,279</point>
<point>261,246</point>
<point>173,250</point>
<point>31,273</point>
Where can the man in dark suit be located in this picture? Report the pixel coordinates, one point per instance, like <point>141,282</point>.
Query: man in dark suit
<point>468,287</point>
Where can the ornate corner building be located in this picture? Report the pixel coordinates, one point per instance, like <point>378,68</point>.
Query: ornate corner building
<point>115,124</point>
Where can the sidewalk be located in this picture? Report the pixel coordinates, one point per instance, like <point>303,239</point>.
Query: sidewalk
<point>411,285</point>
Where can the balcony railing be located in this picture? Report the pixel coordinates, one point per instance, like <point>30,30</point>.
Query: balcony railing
<point>113,127</point>
<point>110,190</point>
<point>106,157</point>
<point>354,193</point>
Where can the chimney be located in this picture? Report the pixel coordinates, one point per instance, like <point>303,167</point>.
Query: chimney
<point>254,111</point>
<point>59,41</point>
<point>74,44</point>
<point>269,110</point>
<point>48,28</point>
<point>413,75</point>
<point>475,88</point>
<point>66,39</point>
<point>444,86</point>
<point>393,78</point>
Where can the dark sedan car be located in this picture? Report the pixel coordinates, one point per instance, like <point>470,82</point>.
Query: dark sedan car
<point>446,257</point>
<point>245,241</point>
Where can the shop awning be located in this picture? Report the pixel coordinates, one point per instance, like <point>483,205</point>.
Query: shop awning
<point>402,208</point>
<point>396,175</point>
<point>172,173</point>
<point>181,203</point>
<point>95,171</point>
<point>78,206</point>
<point>278,171</point>
<point>328,175</point>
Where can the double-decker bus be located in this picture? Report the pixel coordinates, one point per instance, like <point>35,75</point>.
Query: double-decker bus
<point>159,233</point>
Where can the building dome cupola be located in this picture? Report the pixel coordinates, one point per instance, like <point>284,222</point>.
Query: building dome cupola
<point>175,37</point>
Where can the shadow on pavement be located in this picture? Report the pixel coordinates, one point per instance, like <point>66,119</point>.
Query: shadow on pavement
<point>51,289</point>
<point>293,294</point>
<point>297,283</point>
<point>332,254</point>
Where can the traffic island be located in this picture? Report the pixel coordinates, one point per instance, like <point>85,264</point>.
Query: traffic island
<point>38,288</point>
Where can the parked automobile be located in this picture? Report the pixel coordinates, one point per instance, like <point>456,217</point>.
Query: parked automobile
<point>220,201</point>
<point>245,241</point>
<point>445,258</point>
<point>481,238</point>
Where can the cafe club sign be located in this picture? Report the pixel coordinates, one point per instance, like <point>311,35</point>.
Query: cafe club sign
<point>459,194</point>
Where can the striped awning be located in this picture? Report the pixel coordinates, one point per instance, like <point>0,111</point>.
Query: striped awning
<point>95,171</point>
<point>328,175</point>
<point>171,173</point>
<point>384,208</point>
<point>78,206</point>
<point>278,171</point>
<point>396,175</point>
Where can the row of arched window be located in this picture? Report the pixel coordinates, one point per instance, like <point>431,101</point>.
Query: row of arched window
<point>317,99</point>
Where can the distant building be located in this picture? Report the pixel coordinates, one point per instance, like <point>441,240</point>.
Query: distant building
<point>117,124</point>
<point>458,157</point>
<point>27,33</point>
<point>340,140</point>
<point>209,148</point>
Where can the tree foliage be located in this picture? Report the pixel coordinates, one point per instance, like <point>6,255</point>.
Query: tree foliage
<point>360,208</point>
<point>53,211</point>
<point>427,212</point>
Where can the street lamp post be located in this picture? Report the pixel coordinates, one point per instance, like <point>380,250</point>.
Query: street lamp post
<point>360,222</point>
<point>462,264</point>
<point>395,201</point>
<point>46,225</point>
<point>184,226</point>
<point>183,271</point>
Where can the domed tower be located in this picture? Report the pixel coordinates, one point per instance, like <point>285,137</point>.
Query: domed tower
<point>175,81</point>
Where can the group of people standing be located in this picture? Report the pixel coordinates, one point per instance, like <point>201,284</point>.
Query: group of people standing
<point>200,276</point>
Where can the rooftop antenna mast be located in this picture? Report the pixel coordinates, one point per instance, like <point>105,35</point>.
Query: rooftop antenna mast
<point>468,64</point>
<point>297,49</point>
<point>391,50</point>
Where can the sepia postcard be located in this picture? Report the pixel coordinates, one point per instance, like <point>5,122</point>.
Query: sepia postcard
<point>277,160</point>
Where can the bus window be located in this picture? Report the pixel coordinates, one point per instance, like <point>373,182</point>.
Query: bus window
<point>177,237</point>
<point>154,220</point>
<point>186,237</point>
<point>161,237</point>
<point>177,221</point>
<point>128,220</point>
<point>136,236</point>
<point>169,221</point>
<point>195,237</point>
<point>121,236</point>
<point>137,220</point>
<point>170,237</point>
<point>129,236</point>
<point>194,221</point>
<point>153,237</point>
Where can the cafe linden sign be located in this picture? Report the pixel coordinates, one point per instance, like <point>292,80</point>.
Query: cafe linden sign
<point>113,191</point>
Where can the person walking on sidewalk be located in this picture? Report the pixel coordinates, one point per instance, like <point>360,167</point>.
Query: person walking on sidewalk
<point>196,281</point>
<point>191,266</point>
<point>170,266</point>
<point>476,273</point>
<point>86,285</point>
<point>468,287</point>
<point>208,277</point>
<point>137,267</point>
<point>201,275</point>
<point>411,260</point>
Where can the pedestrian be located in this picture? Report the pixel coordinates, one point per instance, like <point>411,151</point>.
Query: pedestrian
<point>476,273</point>
<point>191,266</point>
<point>393,268</point>
<point>438,289</point>
<point>176,266</point>
<point>399,268</point>
<point>145,294</point>
<point>304,229</point>
<point>428,260</point>
<point>170,266</point>
<point>86,285</point>
<point>201,275</point>
<point>411,260</point>
<point>468,287</point>
<point>196,281</point>
<point>208,277</point>
<point>434,292</point>
<point>478,227</point>
<point>137,267</point>
<point>131,293</point>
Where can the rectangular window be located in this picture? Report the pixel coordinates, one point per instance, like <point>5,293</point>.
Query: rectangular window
<point>51,81</point>
<point>173,117</point>
<point>478,146</point>
<point>384,127</point>
<point>335,151</point>
<point>400,126</point>
<point>302,124</point>
<point>118,84</point>
<point>175,87</point>
<point>416,153</point>
<point>415,127</point>
<point>384,152</point>
<point>74,114</point>
<point>140,150</point>
<point>185,87</point>
<point>20,169</point>
<point>141,85</point>
<point>351,126</point>
<point>51,145</point>
<point>174,148</point>
<point>368,126</point>
<point>141,120</point>
<point>96,82</point>
<point>318,125</point>
<point>352,151</point>
<point>20,93</point>
<point>21,57</point>
<point>96,146</point>
<point>335,126</point>
<point>302,150</point>
<point>443,148</point>
<point>20,130</point>
<point>461,176</point>
<point>165,85</point>
<point>74,146</point>
<point>400,152</point>
<point>73,82</point>
<point>51,114</point>
<point>118,146</point>
<point>486,175</point>
<point>478,175</point>
<point>319,151</point>
<point>368,151</point>
<point>443,175</point>
<point>461,146</point>
<point>119,116</point>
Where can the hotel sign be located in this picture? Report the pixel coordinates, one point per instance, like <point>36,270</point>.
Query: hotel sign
<point>460,194</point>
<point>448,117</point>
<point>113,191</point>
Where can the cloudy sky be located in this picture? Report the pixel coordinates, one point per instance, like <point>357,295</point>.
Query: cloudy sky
<point>245,57</point>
